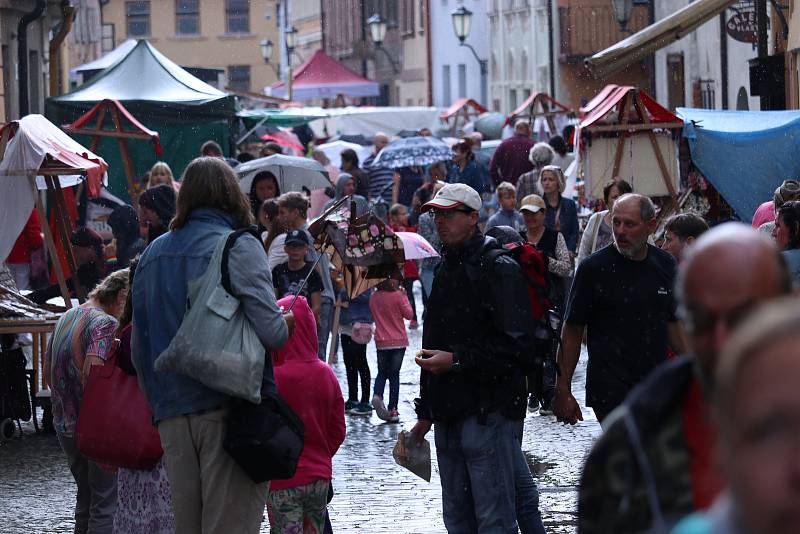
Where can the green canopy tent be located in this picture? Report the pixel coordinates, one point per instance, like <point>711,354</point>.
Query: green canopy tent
<point>183,109</point>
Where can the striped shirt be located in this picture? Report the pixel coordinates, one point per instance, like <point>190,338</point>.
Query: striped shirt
<point>379,180</point>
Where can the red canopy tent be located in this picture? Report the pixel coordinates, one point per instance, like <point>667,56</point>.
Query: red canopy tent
<point>321,76</point>
<point>626,113</point>
<point>465,108</point>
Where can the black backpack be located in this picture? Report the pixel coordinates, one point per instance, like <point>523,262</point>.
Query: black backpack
<point>266,439</point>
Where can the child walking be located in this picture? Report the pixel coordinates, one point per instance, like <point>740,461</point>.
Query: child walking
<point>355,317</point>
<point>398,217</point>
<point>389,306</point>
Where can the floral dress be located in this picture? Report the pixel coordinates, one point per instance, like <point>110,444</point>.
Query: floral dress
<point>144,502</point>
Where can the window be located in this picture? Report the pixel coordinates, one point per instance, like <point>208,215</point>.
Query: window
<point>407,17</point>
<point>707,94</point>
<point>137,16</point>
<point>109,37</point>
<point>237,16</point>
<point>462,80</point>
<point>512,99</point>
<point>239,77</point>
<point>6,82</point>
<point>446,95</point>
<point>676,93</point>
<point>187,17</point>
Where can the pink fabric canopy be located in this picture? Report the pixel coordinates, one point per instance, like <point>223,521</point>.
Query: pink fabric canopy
<point>321,76</point>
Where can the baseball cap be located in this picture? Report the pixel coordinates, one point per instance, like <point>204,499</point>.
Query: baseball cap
<point>455,196</point>
<point>532,203</point>
<point>297,237</point>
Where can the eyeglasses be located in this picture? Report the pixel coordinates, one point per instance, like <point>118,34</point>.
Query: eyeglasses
<point>439,213</point>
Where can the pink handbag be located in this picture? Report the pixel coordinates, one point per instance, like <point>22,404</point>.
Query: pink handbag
<point>115,424</point>
<point>362,333</point>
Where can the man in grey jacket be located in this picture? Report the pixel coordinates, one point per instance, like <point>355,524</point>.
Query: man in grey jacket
<point>210,492</point>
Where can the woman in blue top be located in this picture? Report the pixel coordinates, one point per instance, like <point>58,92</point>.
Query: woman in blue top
<point>561,213</point>
<point>465,170</point>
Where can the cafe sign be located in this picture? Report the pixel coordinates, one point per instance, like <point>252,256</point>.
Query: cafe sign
<point>742,26</point>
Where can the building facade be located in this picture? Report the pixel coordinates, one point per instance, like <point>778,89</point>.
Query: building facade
<point>585,27</point>
<point>32,75</point>
<point>211,34</point>
<point>708,68</point>
<point>401,65</point>
<point>456,73</point>
<point>519,53</point>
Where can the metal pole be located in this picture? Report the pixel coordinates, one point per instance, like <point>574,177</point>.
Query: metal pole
<point>289,79</point>
<point>551,60</point>
<point>723,59</point>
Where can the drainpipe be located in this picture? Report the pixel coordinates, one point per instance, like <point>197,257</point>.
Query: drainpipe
<point>22,55</point>
<point>67,17</point>
<point>430,53</point>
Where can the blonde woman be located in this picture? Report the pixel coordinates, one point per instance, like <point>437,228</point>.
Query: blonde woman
<point>561,214</point>
<point>160,173</point>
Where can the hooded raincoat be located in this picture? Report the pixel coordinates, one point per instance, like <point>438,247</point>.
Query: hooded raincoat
<point>309,386</point>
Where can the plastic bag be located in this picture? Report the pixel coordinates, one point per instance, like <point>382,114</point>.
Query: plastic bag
<point>414,456</point>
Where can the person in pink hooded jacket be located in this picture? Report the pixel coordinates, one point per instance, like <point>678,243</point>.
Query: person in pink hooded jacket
<point>309,386</point>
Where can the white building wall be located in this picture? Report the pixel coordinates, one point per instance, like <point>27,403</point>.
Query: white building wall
<point>445,51</point>
<point>519,52</point>
<point>701,53</point>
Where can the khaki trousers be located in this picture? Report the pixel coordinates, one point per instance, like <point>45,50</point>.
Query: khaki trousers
<point>211,494</point>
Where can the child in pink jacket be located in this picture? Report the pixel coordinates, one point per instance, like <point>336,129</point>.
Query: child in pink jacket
<point>389,306</point>
<point>309,386</point>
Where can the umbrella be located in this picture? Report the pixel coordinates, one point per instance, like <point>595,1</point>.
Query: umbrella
<point>362,248</point>
<point>293,173</point>
<point>334,151</point>
<point>287,139</point>
<point>413,152</point>
<point>352,138</point>
<point>416,247</point>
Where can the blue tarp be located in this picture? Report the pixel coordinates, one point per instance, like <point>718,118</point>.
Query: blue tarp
<point>744,154</point>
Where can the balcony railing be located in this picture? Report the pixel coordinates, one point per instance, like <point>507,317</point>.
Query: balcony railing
<point>586,30</point>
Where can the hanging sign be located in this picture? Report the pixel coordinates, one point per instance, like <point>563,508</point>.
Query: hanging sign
<point>742,26</point>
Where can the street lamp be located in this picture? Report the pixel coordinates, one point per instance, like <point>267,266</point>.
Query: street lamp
<point>622,12</point>
<point>290,40</point>
<point>462,24</point>
<point>377,30</point>
<point>266,52</point>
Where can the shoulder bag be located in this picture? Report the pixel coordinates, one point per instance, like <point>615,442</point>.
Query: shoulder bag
<point>216,344</point>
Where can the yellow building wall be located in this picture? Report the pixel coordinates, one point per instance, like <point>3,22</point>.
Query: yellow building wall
<point>212,48</point>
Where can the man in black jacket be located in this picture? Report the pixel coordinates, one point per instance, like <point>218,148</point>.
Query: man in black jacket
<point>476,340</point>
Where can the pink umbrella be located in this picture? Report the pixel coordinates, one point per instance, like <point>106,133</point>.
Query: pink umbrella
<point>416,247</point>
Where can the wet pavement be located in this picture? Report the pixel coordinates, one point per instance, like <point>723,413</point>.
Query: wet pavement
<point>373,494</point>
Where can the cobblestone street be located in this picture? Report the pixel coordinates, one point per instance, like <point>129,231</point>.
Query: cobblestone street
<point>373,494</point>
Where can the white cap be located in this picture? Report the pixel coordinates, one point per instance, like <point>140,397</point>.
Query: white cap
<point>455,196</point>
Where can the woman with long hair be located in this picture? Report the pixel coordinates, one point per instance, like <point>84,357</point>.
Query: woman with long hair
<point>159,174</point>
<point>264,187</point>
<point>562,212</point>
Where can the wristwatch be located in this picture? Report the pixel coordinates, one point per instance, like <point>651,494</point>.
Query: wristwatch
<point>456,366</point>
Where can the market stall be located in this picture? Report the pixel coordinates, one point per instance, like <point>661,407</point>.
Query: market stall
<point>37,156</point>
<point>463,111</point>
<point>624,133</point>
<point>745,155</point>
<point>120,118</point>
<point>546,115</point>
<point>183,109</point>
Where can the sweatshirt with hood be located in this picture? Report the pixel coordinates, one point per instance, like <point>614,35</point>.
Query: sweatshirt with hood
<point>362,206</point>
<point>309,386</point>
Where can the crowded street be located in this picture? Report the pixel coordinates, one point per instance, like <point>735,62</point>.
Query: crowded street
<point>373,493</point>
<point>399,266</point>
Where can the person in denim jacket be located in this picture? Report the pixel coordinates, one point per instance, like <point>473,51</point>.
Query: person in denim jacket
<point>210,492</point>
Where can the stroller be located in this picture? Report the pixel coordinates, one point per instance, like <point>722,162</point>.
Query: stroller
<point>15,400</point>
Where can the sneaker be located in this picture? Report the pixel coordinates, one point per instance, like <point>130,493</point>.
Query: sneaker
<point>394,416</point>
<point>380,408</point>
<point>349,405</point>
<point>362,408</point>
<point>533,403</point>
<point>413,325</point>
<point>546,408</point>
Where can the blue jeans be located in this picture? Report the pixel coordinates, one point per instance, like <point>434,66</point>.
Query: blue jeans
<point>324,327</point>
<point>479,465</point>
<point>527,494</point>
<point>389,363</point>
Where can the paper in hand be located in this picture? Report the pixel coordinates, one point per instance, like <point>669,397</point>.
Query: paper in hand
<point>414,456</point>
